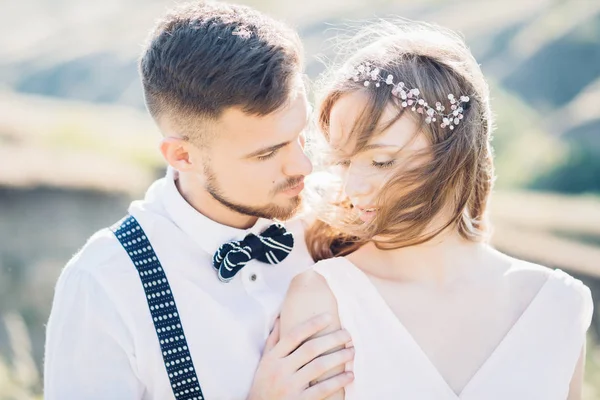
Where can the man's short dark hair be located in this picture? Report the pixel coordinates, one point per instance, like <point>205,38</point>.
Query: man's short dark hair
<point>204,57</point>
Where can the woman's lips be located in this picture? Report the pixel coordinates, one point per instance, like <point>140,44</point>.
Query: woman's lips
<point>366,214</point>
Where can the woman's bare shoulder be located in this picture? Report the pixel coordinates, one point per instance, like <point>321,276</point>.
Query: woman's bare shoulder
<point>308,295</point>
<point>516,273</point>
<point>523,274</point>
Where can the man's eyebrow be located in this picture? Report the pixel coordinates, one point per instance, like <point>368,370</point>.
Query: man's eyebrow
<point>266,150</point>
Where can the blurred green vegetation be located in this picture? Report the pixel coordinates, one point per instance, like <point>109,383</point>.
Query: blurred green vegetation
<point>578,172</point>
<point>522,149</point>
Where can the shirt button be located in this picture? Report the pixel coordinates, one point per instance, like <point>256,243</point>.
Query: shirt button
<point>253,277</point>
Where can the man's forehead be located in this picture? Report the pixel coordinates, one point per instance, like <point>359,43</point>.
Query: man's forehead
<point>244,129</point>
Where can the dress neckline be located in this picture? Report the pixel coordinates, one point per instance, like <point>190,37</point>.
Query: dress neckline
<point>422,357</point>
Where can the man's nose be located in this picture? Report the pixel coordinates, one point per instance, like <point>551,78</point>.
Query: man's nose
<point>298,164</point>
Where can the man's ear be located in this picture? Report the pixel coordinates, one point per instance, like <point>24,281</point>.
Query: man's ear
<point>176,152</point>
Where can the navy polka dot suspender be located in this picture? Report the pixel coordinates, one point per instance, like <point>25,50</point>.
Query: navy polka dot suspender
<point>163,309</point>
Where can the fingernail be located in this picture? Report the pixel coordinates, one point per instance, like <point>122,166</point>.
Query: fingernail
<point>350,344</point>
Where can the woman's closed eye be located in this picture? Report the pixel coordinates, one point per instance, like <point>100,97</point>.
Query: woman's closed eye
<point>383,164</point>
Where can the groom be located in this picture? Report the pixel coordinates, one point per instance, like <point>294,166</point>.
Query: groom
<point>178,298</point>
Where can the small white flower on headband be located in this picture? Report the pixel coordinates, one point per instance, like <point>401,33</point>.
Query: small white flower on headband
<point>412,97</point>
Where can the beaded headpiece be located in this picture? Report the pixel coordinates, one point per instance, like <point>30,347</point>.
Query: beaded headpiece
<point>411,97</point>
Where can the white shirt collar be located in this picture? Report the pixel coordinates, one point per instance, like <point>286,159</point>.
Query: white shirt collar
<point>209,235</point>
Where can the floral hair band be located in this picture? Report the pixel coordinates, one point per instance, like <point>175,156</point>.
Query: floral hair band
<point>412,97</point>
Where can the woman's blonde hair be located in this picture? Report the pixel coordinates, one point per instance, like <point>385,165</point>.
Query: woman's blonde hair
<point>458,172</point>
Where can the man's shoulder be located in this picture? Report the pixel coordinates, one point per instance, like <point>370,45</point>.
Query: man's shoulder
<point>102,261</point>
<point>102,273</point>
<point>100,251</point>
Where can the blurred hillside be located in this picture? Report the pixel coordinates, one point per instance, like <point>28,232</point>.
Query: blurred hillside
<point>76,144</point>
<point>542,58</point>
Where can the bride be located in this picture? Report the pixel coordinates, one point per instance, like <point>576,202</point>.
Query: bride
<point>401,234</point>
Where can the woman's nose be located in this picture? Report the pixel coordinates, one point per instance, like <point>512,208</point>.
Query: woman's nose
<point>356,185</point>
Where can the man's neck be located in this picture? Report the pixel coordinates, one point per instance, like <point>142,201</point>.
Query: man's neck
<point>194,193</point>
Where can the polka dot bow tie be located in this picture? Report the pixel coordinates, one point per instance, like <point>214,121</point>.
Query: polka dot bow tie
<point>272,246</point>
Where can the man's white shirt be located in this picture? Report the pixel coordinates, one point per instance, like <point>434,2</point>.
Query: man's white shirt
<point>101,342</point>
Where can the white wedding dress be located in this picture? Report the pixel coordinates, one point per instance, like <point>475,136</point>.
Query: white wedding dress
<point>534,361</point>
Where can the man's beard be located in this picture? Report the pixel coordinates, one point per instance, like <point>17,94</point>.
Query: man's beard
<point>270,211</point>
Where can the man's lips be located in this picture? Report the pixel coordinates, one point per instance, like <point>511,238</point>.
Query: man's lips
<point>297,188</point>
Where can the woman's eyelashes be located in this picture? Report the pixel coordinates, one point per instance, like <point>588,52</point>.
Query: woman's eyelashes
<point>383,164</point>
<point>376,164</point>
